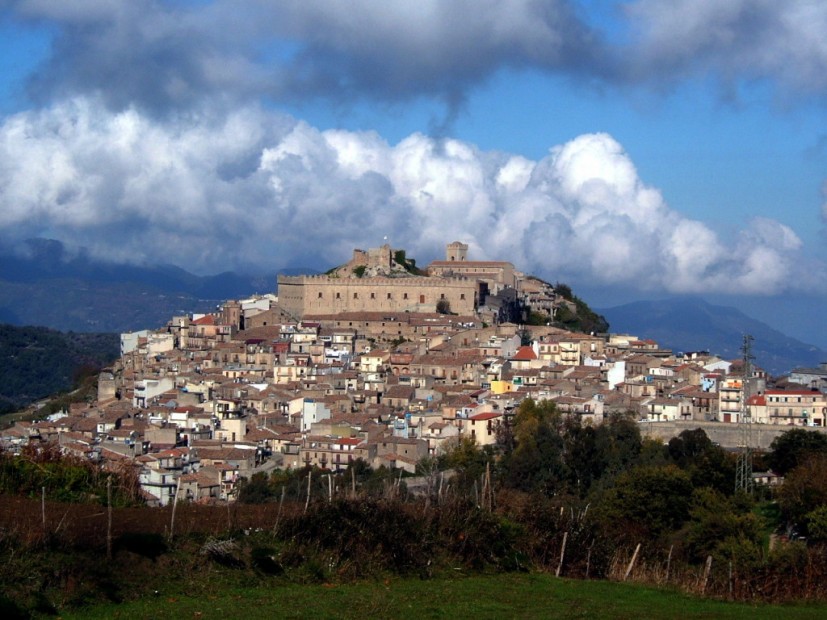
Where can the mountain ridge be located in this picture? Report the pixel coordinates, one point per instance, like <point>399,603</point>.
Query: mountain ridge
<point>48,286</point>
<point>692,324</point>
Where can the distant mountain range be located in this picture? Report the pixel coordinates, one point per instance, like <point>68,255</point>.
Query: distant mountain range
<point>691,324</point>
<point>49,287</point>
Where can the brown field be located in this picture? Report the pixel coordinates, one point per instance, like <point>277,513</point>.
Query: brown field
<point>86,525</point>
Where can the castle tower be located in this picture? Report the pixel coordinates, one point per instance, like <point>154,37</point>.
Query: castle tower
<point>231,315</point>
<point>456,251</point>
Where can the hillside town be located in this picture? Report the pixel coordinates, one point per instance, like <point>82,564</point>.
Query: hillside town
<point>381,361</point>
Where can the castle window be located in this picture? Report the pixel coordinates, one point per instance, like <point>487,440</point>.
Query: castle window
<point>462,295</point>
<point>404,296</point>
<point>338,295</point>
<point>442,296</point>
<point>389,296</point>
<point>355,295</point>
<point>373,295</point>
<point>320,294</point>
<point>422,299</point>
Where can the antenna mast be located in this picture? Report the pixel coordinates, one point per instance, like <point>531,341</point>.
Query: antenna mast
<point>743,470</point>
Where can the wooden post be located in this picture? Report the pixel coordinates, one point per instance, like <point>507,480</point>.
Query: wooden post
<point>43,507</point>
<point>707,570</point>
<point>632,563</point>
<point>589,559</point>
<point>329,488</point>
<point>307,501</point>
<point>562,554</point>
<point>353,480</point>
<point>490,492</point>
<point>730,579</point>
<point>278,514</point>
<point>174,505</point>
<point>109,517</point>
<point>669,562</point>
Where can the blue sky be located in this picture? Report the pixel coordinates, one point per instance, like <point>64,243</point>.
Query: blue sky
<point>634,149</point>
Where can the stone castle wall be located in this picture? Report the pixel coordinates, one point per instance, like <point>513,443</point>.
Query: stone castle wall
<point>300,295</point>
<point>725,434</point>
<point>379,258</point>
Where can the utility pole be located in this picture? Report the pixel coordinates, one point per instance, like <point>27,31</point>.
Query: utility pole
<point>743,470</point>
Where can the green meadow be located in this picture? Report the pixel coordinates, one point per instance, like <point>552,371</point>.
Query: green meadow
<point>479,597</point>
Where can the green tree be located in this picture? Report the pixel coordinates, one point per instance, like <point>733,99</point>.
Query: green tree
<point>816,521</point>
<point>619,443</point>
<point>256,490</point>
<point>645,503</point>
<point>591,453</point>
<point>708,465</point>
<point>536,461</point>
<point>794,447</point>
<point>538,318</point>
<point>804,490</point>
<point>467,460</point>
<point>582,318</point>
<point>720,528</point>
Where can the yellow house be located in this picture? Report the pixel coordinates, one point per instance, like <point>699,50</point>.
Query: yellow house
<point>501,387</point>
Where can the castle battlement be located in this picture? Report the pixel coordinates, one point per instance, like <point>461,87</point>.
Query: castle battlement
<point>323,294</point>
<point>373,281</point>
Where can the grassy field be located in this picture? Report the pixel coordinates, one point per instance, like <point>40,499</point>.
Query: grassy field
<point>479,597</point>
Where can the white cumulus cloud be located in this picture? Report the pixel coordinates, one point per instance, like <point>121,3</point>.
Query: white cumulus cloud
<point>257,189</point>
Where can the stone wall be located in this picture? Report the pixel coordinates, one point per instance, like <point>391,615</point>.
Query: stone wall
<point>301,295</point>
<point>726,435</point>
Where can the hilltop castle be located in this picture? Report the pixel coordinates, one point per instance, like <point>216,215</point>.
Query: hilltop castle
<point>374,281</point>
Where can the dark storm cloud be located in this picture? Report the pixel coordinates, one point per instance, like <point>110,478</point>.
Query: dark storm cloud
<point>163,54</point>
<point>167,54</point>
<point>736,41</point>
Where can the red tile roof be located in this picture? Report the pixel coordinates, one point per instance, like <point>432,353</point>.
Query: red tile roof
<point>524,354</point>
